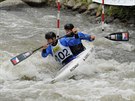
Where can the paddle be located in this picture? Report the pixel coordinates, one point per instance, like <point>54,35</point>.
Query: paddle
<point>17,59</point>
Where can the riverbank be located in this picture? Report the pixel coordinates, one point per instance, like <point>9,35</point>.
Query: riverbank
<point>113,14</point>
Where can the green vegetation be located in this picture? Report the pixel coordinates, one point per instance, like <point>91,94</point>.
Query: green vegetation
<point>120,11</point>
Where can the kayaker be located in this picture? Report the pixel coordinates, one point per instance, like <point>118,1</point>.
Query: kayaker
<point>72,32</point>
<point>58,48</point>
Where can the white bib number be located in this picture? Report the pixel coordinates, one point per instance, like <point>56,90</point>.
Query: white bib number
<point>62,55</point>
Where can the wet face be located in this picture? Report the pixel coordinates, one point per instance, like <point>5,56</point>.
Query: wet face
<point>51,41</point>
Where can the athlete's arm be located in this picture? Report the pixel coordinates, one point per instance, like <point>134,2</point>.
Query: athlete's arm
<point>71,41</point>
<point>88,37</point>
<point>46,51</point>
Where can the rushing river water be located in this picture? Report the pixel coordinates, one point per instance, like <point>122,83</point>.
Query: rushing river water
<point>108,75</point>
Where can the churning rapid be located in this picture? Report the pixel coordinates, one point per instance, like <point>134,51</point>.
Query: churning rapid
<point>108,75</point>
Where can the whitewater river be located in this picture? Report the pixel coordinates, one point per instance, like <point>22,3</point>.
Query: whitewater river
<point>107,75</point>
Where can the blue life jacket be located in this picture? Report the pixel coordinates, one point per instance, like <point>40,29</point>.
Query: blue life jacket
<point>78,47</point>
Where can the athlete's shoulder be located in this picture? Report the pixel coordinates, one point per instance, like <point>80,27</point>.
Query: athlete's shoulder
<point>63,41</point>
<point>81,33</point>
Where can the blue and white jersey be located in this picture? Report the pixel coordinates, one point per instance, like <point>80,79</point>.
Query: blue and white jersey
<point>61,52</point>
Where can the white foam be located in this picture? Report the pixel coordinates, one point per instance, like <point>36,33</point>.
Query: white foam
<point>126,46</point>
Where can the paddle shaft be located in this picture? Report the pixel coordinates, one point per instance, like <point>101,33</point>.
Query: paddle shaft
<point>37,49</point>
<point>43,46</point>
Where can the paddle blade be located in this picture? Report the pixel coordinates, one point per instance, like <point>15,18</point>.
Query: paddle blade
<point>20,57</point>
<point>119,36</point>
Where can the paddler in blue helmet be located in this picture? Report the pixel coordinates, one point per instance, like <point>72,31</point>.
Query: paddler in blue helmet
<point>72,32</point>
<point>58,48</point>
